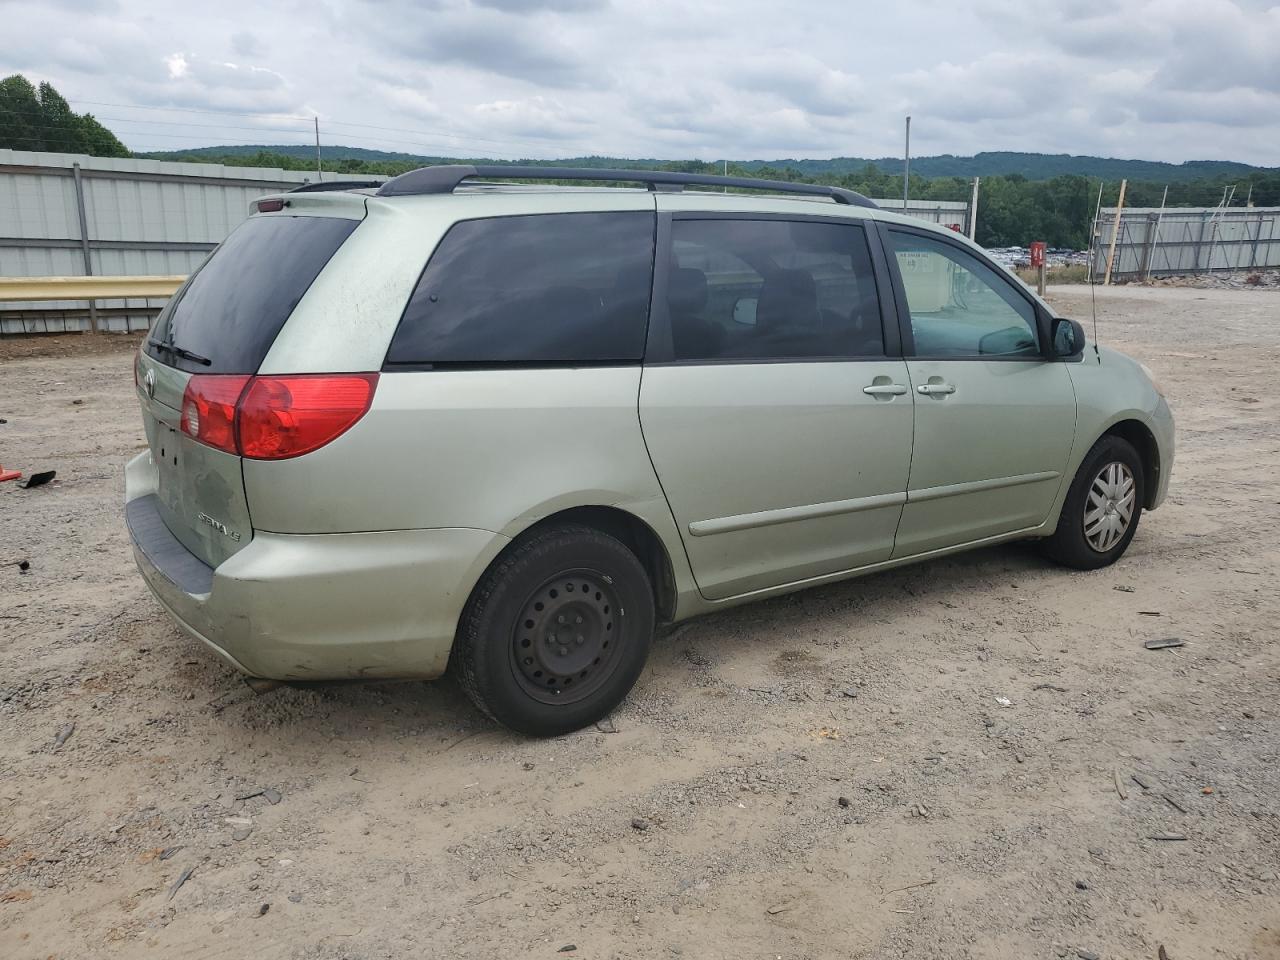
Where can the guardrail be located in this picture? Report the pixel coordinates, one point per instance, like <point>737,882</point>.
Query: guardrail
<point>87,288</point>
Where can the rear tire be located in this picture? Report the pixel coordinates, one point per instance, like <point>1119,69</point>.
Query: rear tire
<point>1102,509</point>
<point>556,632</point>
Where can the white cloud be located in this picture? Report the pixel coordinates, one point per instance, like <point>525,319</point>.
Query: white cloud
<point>1159,79</point>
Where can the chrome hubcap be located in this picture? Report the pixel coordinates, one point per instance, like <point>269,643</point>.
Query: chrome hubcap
<point>1108,513</point>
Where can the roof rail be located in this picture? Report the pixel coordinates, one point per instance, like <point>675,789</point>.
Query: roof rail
<point>322,186</point>
<point>444,178</point>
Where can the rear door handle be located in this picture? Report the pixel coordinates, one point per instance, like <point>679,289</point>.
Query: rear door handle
<point>885,390</point>
<point>936,389</point>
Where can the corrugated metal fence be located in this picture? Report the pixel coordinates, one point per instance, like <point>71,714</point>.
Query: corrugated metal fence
<point>71,215</point>
<point>1180,240</point>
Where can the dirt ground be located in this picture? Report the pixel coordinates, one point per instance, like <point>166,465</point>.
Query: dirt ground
<point>971,758</point>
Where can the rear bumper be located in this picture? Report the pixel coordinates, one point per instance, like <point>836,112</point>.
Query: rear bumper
<point>330,606</point>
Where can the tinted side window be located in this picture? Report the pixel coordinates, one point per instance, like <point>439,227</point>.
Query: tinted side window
<point>550,288</point>
<point>234,305</point>
<point>772,289</point>
<point>959,306</point>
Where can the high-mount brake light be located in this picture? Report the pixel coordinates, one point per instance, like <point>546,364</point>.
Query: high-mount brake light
<point>271,206</point>
<point>274,418</point>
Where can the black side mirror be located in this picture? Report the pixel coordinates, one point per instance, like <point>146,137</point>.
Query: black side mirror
<point>1068,339</point>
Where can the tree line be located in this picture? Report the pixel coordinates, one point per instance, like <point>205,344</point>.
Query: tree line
<point>1012,210</point>
<point>38,118</point>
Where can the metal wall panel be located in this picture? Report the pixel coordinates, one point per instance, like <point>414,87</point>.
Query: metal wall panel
<point>1183,240</point>
<point>129,204</point>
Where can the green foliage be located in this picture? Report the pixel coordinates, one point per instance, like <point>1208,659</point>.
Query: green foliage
<point>1032,166</point>
<point>34,118</point>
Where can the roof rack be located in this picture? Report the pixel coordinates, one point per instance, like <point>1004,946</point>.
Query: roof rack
<point>322,186</point>
<point>446,177</point>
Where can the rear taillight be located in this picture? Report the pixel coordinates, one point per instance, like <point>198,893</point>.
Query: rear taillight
<point>273,418</point>
<point>209,409</point>
<point>288,416</point>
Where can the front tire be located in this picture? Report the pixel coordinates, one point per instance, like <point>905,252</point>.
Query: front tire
<point>556,632</point>
<point>1102,509</point>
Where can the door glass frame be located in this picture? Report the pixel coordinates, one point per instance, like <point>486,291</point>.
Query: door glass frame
<point>659,349</point>
<point>907,338</point>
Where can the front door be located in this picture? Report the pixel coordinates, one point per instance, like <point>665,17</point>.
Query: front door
<point>777,420</point>
<point>994,420</point>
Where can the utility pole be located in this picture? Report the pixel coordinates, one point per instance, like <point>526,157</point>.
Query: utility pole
<point>906,169</point>
<point>1155,233</point>
<point>319,171</point>
<point>973,211</point>
<point>1115,234</point>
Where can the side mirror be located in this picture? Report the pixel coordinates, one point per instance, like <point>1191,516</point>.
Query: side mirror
<point>744,311</point>
<point>1068,339</point>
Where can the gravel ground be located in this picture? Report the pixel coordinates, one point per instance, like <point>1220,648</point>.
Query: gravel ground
<point>971,758</point>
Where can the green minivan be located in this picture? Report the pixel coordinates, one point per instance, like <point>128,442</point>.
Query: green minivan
<point>506,429</point>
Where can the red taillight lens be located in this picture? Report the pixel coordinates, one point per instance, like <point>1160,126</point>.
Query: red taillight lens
<point>209,409</point>
<point>284,417</point>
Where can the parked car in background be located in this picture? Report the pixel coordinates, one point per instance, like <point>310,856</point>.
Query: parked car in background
<point>507,430</point>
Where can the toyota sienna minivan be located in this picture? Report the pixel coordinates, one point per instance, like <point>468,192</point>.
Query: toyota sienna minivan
<point>508,429</point>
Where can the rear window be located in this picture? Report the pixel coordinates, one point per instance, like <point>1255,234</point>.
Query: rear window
<point>231,309</point>
<point>542,289</point>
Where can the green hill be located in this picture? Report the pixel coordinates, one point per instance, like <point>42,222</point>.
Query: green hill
<point>1032,166</point>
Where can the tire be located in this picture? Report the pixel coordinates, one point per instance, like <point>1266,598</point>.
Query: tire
<point>556,632</point>
<point>1111,459</point>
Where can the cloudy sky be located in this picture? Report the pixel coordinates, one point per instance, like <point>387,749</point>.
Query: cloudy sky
<point>1163,80</point>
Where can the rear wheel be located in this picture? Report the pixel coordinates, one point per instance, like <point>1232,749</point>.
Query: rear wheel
<point>556,632</point>
<point>1102,509</point>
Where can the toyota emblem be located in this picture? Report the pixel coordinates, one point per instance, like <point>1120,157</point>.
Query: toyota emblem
<point>149,381</point>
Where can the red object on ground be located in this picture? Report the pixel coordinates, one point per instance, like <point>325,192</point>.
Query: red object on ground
<point>1037,253</point>
<point>9,474</point>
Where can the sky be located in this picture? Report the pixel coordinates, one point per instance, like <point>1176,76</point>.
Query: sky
<point>1166,80</point>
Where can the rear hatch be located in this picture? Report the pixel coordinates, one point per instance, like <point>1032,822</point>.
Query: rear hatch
<point>218,327</point>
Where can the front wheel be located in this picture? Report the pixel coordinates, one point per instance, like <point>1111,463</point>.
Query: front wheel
<point>557,632</point>
<point>1102,509</point>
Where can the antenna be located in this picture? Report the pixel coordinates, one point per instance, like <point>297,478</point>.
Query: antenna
<point>1093,295</point>
<point>1093,273</point>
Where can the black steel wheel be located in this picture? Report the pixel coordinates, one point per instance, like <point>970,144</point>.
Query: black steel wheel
<point>562,645</point>
<point>556,632</point>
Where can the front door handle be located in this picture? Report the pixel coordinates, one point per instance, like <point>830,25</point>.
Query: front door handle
<point>885,390</point>
<point>936,389</point>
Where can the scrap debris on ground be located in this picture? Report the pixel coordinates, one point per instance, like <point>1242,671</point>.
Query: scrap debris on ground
<point>824,774</point>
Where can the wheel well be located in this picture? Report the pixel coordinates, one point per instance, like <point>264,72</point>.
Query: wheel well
<point>1142,440</point>
<point>639,538</point>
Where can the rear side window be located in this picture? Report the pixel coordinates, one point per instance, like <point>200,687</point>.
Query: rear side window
<point>231,309</point>
<point>543,289</point>
<point>772,290</point>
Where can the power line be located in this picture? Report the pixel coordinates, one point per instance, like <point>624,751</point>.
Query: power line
<point>328,122</point>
